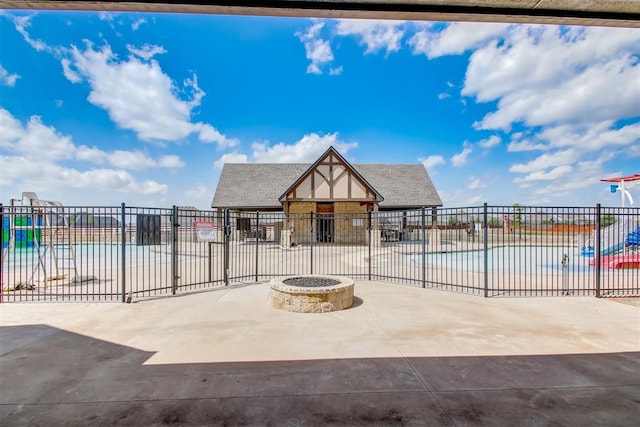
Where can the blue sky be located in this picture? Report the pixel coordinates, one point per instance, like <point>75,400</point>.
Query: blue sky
<point>103,108</point>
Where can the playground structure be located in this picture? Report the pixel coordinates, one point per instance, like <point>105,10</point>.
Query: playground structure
<point>620,246</point>
<point>42,227</point>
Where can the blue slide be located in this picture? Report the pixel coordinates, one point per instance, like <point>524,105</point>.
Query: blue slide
<point>633,239</point>
<point>613,236</point>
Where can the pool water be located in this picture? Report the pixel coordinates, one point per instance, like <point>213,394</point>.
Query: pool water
<point>516,259</point>
<point>89,255</point>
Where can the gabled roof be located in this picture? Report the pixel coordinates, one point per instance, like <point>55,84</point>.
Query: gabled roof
<point>324,156</point>
<point>260,185</point>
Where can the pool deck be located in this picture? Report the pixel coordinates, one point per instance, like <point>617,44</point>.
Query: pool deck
<point>400,356</point>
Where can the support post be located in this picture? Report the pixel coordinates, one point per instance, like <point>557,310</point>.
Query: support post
<point>596,251</point>
<point>227,234</point>
<point>257,238</point>
<point>424,247</point>
<point>369,213</point>
<point>209,261</point>
<point>311,239</point>
<point>485,235</point>
<point>174,249</point>
<point>123,246</point>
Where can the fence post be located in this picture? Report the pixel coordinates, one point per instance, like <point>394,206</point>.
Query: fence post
<point>424,248</point>
<point>257,237</point>
<point>174,249</point>
<point>311,239</point>
<point>123,243</point>
<point>369,213</point>
<point>596,251</point>
<point>485,238</point>
<point>209,261</point>
<point>227,234</point>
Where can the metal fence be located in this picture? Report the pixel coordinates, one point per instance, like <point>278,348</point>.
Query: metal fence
<point>80,253</point>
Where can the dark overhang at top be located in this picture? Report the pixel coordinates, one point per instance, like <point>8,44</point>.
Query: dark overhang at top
<point>614,13</point>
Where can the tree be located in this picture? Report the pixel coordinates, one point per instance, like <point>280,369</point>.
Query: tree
<point>453,220</point>
<point>517,218</point>
<point>607,220</point>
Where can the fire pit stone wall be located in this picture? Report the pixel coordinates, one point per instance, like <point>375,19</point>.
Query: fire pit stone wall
<point>314,298</point>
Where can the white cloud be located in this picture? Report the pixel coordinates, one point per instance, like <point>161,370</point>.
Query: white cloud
<point>170,162</point>
<point>460,159</point>
<point>153,108</point>
<point>230,158</point>
<point>547,160</point>
<point>432,161</point>
<point>455,39</point>
<point>475,184</point>
<point>22,23</point>
<point>91,154</point>
<point>335,71</point>
<point>492,141</point>
<point>307,149</point>
<point>584,175</point>
<point>208,133</point>
<point>53,176</point>
<point>592,137</point>
<point>106,16</point>
<point>198,193</point>
<point>11,129</point>
<point>130,160</point>
<point>147,51</point>
<point>525,145</point>
<point>7,78</point>
<point>136,24</point>
<point>553,174</point>
<point>36,146</point>
<point>579,66</point>
<point>317,49</point>
<point>36,140</point>
<point>68,72</point>
<point>375,35</point>
<point>443,95</point>
<point>567,145</point>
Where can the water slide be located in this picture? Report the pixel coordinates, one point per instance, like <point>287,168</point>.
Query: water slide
<point>612,237</point>
<point>616,238</point>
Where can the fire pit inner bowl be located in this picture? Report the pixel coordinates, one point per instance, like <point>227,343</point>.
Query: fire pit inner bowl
<point>311,281</point>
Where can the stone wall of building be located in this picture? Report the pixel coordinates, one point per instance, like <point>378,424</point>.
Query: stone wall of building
<point>299,214</point>
<point>350,224</point>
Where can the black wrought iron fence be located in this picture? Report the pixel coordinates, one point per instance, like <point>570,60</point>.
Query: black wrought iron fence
<point>79,253</point>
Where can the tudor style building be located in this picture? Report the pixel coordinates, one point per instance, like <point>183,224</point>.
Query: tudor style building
<point>338,193</point>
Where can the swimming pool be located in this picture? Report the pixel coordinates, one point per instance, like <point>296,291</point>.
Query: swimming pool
<point>88,255</point>
<point>514,259</point>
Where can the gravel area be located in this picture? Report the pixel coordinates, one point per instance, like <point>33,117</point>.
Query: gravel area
<point>310,282</point>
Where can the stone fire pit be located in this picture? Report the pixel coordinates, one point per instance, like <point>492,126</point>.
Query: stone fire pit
<point>311,294</point>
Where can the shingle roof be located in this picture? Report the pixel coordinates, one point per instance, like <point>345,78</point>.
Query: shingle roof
<point>259,185</point>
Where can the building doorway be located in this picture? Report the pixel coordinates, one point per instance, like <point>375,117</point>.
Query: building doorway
<point>324,223</point>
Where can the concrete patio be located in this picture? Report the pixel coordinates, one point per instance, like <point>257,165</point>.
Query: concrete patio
<point>400,356</point>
